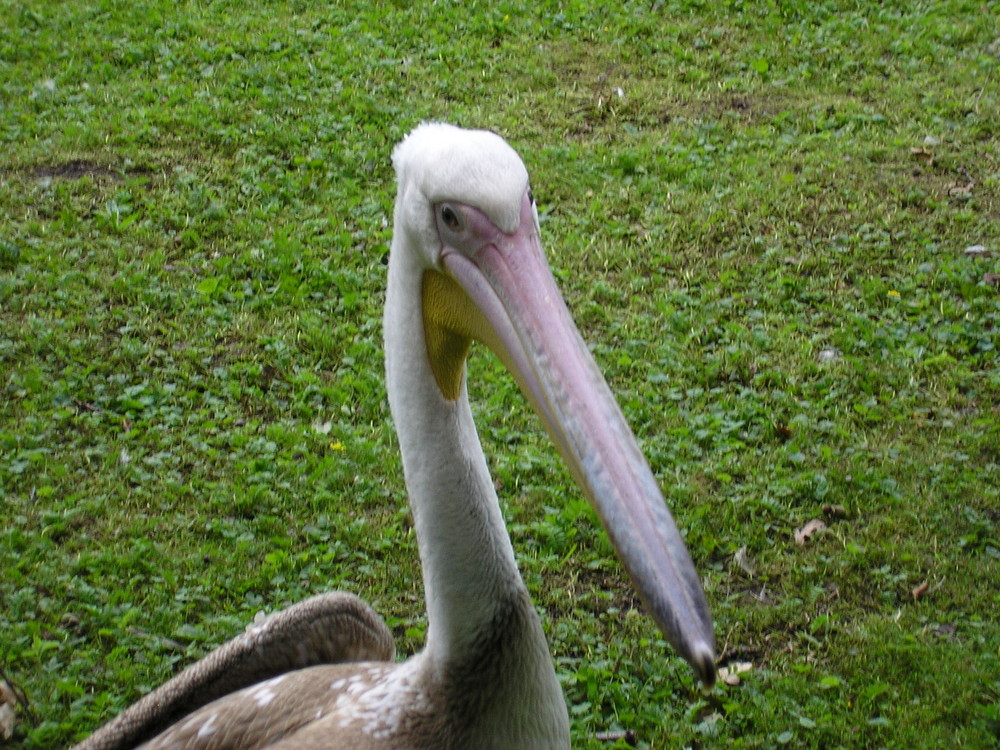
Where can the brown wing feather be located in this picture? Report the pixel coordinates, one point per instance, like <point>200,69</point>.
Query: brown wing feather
<point>330,628</point>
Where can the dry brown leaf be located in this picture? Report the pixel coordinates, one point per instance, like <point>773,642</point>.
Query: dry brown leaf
<point>834,510</point>
<point>805,533</point>
<point>920,590</point>
<point>992,278</point>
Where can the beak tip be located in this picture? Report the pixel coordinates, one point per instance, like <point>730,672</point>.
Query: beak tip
<point>702,660</point>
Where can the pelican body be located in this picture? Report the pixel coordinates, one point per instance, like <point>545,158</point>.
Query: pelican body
<point>466,265</point>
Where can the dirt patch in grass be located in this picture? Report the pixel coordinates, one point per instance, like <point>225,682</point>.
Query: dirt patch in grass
<point>603,91</point>
<point>77,169</point>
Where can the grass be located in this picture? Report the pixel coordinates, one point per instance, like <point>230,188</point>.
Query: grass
<point>758,213</point>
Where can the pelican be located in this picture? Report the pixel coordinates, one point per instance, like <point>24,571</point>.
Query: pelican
<point>466,265</point>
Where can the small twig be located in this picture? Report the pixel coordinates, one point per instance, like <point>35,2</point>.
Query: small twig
<point>84,405</point>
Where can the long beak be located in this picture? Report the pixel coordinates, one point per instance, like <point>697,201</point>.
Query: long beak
<point>510,284</point>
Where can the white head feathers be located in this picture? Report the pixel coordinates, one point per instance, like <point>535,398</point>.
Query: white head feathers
<point>476,167</point>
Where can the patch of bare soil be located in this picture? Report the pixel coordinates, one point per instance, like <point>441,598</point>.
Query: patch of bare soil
<point>77,169</point>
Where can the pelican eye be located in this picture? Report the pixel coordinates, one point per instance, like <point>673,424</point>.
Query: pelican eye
<point>450,218</point>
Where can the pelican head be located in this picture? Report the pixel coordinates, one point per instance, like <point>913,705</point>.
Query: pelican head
<point>467,226</point>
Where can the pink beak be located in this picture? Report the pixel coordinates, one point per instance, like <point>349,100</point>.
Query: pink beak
<point>509,281</point>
